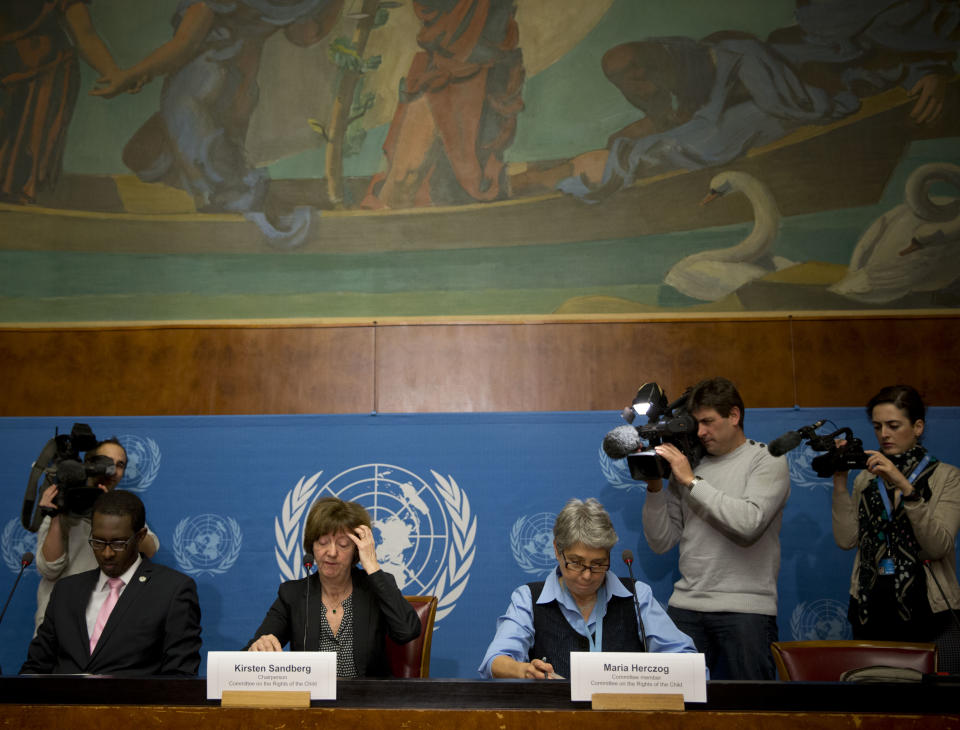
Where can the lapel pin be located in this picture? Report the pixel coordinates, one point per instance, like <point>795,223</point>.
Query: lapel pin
<point>143,579</point>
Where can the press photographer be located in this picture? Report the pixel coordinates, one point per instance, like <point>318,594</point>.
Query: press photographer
<point>725,517</point>
<point>62,547</point>
<point>902,517</point>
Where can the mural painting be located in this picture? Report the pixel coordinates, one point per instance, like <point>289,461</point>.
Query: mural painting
<point>369,158</point>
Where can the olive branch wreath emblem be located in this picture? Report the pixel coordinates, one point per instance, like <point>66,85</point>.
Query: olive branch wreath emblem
<point>461,544</point>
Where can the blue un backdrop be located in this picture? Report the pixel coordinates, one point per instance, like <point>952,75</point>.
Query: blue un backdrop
<point>463,505</point>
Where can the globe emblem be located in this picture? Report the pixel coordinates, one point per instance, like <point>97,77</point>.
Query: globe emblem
<point>16,542</point>
<point>409,521</point>
<point>207,543</point>
<point>820,619</point>
<point>801,470</point>
<point>531,540</point>
<point>617,472</point>
<point>143,462</point>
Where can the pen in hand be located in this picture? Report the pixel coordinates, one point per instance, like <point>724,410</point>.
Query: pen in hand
<point>551,674</point>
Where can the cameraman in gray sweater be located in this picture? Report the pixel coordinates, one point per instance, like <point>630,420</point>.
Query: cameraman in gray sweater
<point>726,519</point>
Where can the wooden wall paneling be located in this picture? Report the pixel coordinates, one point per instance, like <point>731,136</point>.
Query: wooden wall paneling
<point>845,361</point>
<point>186,371</point>
<point>575,366</point>
<point>471,367</point>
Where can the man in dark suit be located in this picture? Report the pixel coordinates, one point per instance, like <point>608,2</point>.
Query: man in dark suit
<point>131,617</point>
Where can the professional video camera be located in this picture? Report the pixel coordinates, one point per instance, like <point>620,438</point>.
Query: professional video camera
<point>59,463</point>
<point>837,458</point>
<point>666,423</point>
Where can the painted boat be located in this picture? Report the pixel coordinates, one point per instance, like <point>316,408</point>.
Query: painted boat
<point>806,171</point>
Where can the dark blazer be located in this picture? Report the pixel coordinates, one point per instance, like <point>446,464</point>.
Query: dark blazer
<point>379,610</point>
<point>153,629</point>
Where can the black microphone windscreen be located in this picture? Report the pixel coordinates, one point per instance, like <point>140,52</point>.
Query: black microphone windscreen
<point>26,559</point>
<point>308,560</point>
<point>782,444</point>
<point>627,557</point>
<point>621,441</point>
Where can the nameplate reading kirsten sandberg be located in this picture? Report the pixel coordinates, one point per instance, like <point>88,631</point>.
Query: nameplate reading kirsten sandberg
<point>273,671</point>
<point>599,672</point>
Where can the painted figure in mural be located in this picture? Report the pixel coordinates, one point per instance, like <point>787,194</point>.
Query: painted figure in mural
<point>903,514</point>
<point>458,107</point>
<point>581,606</point>
<point>726,519</point>
<point>62,548</point>
<point>39,83</point>
<point>353,610</point>
<point>196,141</point>
<point>711,101</point>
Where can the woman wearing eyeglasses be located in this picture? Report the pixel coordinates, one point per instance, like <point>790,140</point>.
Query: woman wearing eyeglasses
<point>581,606</point>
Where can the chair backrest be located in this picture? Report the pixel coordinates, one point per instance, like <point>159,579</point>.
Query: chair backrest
<point>825,661</point>
<point>413,658</point>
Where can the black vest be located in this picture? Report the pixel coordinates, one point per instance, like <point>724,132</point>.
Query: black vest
<point>554,638</point>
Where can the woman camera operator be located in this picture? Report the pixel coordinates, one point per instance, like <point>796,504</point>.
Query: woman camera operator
<point>903,514</point>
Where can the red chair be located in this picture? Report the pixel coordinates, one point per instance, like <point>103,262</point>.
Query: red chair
<point>413,658</point>
<point>825,661</point>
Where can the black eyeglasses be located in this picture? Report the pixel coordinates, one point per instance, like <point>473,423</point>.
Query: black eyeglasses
<point>118,546</point>
<point>581,567</point>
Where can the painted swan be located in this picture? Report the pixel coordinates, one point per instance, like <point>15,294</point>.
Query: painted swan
<point>711,275</point>
<point>905,250</point>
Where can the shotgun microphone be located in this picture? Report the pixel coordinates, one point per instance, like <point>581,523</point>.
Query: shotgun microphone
<point>628,559</point>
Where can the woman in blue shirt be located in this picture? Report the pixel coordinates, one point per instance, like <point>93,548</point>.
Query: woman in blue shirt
<point>581,606</point>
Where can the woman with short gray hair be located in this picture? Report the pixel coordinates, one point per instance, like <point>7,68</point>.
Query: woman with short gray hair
<point>581,606</point>
<point>586,522</point>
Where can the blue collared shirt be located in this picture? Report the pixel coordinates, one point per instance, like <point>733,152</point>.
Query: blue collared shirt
<point>515,633</point>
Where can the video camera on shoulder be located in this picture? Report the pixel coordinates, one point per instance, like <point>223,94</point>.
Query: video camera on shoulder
<point>59,463</point>
<point>666,423</point>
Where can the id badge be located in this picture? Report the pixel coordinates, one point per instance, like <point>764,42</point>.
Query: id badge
<point>887,567</point>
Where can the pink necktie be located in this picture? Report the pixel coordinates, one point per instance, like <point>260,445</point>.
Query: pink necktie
<point>115,585</point>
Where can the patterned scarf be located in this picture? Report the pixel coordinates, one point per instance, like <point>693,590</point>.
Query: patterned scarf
<point>882,537</point>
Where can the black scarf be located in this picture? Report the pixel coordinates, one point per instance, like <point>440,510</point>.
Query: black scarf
<point>882,536</point>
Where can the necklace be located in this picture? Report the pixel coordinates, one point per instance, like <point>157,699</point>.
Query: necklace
<point>339,601</point>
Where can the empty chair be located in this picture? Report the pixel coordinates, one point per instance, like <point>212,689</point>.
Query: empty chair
<point>825,661</point>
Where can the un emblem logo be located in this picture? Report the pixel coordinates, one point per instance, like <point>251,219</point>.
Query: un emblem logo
<point>206,544</point>
<point>801,471</point>
<point>818,620</point>
<point>531,540</point>
<point>16,542</point>
<point>143,462</point>
<point>617,473</point>
<point>424,532</point>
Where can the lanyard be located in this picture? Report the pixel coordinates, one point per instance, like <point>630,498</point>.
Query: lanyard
<point>882,487</point>
<point>600,611</point>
